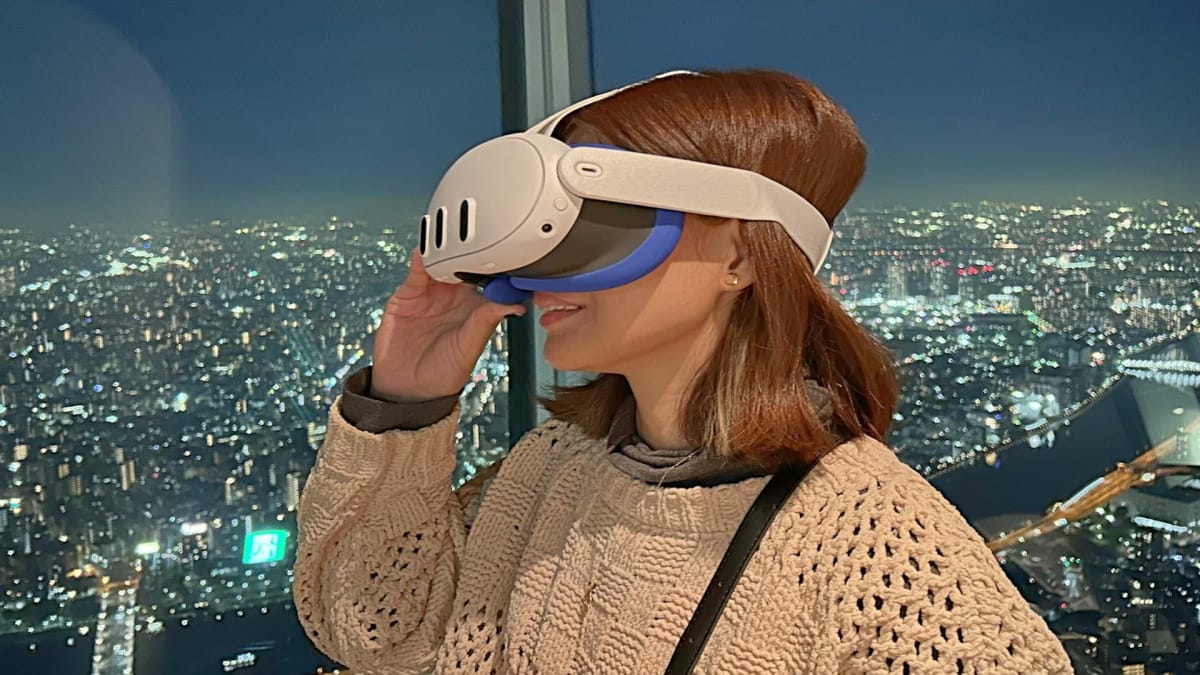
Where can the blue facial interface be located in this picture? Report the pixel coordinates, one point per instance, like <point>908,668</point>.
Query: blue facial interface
<point>668,228</point>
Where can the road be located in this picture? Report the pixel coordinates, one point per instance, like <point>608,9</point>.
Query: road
<point>115,629</point>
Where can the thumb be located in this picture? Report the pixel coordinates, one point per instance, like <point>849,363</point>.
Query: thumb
<point>482,322</point>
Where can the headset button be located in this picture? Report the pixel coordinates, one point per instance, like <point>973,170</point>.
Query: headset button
<point>560,204</point>
<point>588,169</point>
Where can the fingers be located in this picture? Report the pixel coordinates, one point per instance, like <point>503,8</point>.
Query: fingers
<point>482,322</point>
<point>417,276</point>
<point>417,280</point>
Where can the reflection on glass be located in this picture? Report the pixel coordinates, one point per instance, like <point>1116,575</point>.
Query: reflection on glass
<point>202,213</point>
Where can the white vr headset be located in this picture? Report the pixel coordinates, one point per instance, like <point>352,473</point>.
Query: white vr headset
<point>526,212</point>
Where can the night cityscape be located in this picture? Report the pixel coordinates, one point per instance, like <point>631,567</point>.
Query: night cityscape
<point>164,396</point>
<point>204,207</point>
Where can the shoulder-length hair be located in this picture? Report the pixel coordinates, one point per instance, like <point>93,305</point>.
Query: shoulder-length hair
<point>749,402</point>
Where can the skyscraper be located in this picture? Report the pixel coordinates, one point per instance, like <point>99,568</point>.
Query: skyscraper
<point>897,283</point>
<point>292,491</point>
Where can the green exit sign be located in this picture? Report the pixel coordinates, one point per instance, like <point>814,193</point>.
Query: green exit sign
<point>264,546</point>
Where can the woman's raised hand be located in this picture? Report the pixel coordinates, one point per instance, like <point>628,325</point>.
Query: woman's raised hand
<point>431,336</point>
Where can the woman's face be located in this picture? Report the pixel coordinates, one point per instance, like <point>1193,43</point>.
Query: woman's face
<point>673,313</point>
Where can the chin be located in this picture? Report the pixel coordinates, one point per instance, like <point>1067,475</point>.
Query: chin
<point>566,364</point>
<point>564,358</point>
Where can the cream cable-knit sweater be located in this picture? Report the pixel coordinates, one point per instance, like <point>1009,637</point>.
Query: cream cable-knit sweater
<point>565,564</point>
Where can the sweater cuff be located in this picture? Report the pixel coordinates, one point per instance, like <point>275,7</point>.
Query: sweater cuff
<point>376,413</point>
<point>427,455</point>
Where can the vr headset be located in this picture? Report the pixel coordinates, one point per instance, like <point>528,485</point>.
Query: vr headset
<point>526,212</point>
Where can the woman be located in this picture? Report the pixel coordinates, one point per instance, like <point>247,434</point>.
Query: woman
<point>589,548</point>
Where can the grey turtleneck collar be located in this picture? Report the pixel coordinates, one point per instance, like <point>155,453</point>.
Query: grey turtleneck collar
<point>687,467</point>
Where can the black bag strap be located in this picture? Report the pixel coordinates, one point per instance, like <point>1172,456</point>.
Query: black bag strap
<point>745,541</point>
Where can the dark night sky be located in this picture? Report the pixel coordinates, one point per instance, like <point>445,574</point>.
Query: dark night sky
<point>118,111</point>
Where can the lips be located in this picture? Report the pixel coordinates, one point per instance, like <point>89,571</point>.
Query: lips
<point>545,302</point>
<point>552,316</point>
<point>555,304</point>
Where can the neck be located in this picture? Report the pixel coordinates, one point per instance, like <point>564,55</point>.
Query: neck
<point>659,382</point>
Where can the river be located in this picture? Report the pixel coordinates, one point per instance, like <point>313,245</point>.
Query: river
<point>1133,416</point>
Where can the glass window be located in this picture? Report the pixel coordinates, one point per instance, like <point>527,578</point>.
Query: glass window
<point>204,208</point>
<point>1025,241</point>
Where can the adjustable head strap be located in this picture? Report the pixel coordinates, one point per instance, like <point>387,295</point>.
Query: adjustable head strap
<point>663,182</point>
<point>695,187</point>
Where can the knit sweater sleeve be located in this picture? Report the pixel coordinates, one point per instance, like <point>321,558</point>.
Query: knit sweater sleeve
<point>381,535</point>
<point>913,588</point>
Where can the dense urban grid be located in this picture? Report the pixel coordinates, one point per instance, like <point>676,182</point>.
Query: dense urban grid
<point>163,396</point>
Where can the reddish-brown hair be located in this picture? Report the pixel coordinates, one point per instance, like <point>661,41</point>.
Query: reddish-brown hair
<point>748,401</point>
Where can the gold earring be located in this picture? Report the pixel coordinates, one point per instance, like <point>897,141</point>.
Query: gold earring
<point>732,279</point>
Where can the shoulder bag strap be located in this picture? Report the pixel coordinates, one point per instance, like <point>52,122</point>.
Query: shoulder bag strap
<point>744,543</point>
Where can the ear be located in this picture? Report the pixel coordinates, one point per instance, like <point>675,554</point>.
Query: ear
<point>738,259</point>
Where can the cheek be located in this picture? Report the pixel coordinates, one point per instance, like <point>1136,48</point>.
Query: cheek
<point>632,320</point>
<point>641,322</point>
<point>667,313</point>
